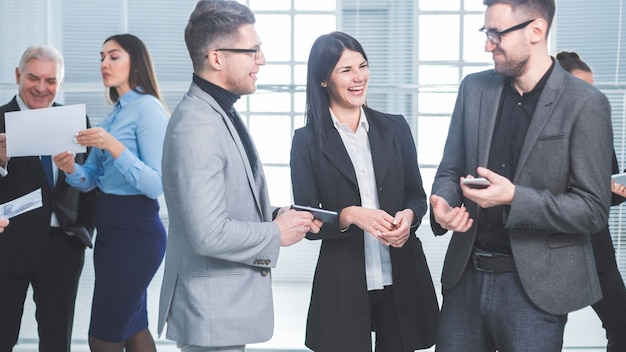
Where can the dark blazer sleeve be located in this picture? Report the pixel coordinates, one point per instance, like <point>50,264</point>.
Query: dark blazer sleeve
<point>75,209</point>
<point>398,179</point>
<point>305,183</point>
<point>616,199</point>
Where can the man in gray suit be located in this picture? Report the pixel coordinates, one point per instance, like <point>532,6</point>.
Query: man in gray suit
<point>520,258</point>
<point>222,242</point>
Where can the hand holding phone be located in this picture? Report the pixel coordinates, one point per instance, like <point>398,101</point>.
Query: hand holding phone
<point>477,182</point>
<point>327,216</point>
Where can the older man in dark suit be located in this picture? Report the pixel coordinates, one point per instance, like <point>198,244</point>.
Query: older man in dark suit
<point>520,258</point>
<point>45,247</point>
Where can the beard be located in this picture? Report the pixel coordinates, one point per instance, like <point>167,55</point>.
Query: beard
<point>513,67</point>
<point>240,87</point>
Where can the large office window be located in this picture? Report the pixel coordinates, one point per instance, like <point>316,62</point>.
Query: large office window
<point>419,51</point>
<point>599,39</point>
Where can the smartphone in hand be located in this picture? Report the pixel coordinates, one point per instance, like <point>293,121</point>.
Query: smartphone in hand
<point>327,216</point>
<point>477,182</point>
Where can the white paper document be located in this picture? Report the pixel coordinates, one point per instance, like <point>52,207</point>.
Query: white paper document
<point>21,205</point>
<point>47,131</point>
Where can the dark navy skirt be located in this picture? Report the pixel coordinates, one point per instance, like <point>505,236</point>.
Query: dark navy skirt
<point>129,247</point>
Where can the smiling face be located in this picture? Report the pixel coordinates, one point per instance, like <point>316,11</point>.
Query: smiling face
<point>347,85</point>
<point>511,55</point>
<point>38,83</point>
<point>240,68</point>
<point>115,67</point>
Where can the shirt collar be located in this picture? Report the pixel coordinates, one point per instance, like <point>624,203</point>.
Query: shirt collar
<point>362,120</point>
<point>129,97</point>
<point>223,97</point>
<point>21,103</point>
<point>539,86</point>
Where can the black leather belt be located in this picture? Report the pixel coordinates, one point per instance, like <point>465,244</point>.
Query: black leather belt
<point>493,262</point>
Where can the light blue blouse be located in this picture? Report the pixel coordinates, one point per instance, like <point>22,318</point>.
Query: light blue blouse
<point>138,121</point>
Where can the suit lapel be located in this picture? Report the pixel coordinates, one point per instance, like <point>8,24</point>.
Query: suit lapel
<point>380,142</point>
<point>543,112</point>
<point>255,187</point>
<point>333,148</point>
<point>35,165</point>
<point>489,103</point>
<point>33,161</point>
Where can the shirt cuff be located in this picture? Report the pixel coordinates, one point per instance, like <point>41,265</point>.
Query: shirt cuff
<point>4,170</point>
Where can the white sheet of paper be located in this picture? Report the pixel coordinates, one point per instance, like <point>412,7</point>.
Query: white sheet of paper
<point>21,205</point>
<point>47,131</point>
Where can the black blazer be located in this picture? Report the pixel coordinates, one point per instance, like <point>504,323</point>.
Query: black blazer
<point>23,243</point>
<point>602,244</point>
<point>323,176</point>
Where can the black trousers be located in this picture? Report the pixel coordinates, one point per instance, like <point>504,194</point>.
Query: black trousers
<point>385,320</point>
<point>612,309</point>
<point>55,286</point>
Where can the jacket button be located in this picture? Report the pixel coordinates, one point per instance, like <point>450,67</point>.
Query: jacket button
<point>264,272</point>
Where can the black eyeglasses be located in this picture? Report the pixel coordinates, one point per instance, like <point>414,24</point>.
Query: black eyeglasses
<point>494,36</point>
<point>256,51</point>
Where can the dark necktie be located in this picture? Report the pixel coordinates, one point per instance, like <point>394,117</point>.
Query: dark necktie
<point>46,162</point>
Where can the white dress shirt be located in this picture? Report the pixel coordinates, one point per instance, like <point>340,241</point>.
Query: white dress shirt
<point>377,258</point>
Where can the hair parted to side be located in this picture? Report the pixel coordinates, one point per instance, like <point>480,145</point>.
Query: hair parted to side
<point>325,53</point>
<point>535,8</point>
<point>43,52</point>
<point>571,61</point>
<point>214,23</point>
<point>141,69</point>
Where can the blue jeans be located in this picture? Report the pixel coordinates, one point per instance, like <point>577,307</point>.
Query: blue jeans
<point>485,312</point>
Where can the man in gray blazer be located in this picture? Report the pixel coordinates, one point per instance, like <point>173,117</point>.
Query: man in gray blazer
<point>520,258</point>
<point>222,242</point>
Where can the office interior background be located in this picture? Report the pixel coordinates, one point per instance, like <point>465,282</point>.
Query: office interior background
<point>418,50</point>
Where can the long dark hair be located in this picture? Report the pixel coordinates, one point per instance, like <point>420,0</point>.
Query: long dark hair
<point>325,53</point>
<point>141,69</point>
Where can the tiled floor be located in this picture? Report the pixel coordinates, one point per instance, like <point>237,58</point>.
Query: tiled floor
<point>583,332</point>
<point>291,302</point>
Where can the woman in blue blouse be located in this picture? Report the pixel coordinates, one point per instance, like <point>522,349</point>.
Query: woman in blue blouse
<point>126,166</point>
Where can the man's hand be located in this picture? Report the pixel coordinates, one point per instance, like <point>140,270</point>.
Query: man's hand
<point>3,223</point>
<point>294,225</point>
<point>499,192</point>
<point>454,219</point>
<point>3,150</point>
<point>618,189</point>
<point>64,161</point>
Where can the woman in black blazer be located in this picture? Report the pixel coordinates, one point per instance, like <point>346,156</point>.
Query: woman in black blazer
<point>371,272</point>
<point>611,309</point>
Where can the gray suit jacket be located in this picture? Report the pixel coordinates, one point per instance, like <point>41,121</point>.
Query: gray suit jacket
<point>216,288</point>
<point>561,195</point>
